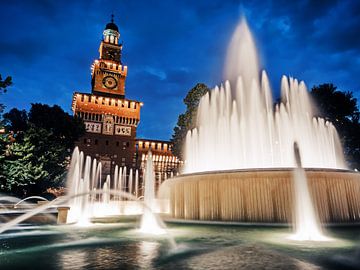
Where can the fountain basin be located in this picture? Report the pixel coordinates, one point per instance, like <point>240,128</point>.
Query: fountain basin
<point>261,195</point>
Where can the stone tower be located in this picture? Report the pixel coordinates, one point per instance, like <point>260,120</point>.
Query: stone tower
<point>110,119</point>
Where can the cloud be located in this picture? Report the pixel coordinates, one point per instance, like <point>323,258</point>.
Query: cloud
<point>169,46</point>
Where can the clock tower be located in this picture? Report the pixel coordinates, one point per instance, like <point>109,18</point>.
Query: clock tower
<point>110,119</point>
<point>108,73</point>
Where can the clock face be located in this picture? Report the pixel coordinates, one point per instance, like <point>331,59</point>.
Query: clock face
<point>109,82</point>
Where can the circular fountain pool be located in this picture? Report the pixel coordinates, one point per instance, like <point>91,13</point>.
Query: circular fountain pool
<point>263,195</point>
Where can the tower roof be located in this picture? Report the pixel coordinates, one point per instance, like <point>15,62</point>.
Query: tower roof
<point>111,25</point>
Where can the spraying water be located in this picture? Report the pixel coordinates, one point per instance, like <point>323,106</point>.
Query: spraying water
<point>137,184</point>
<point>238,126</point>
<point>130,188</point>
<point>149,222</point>
<point>84,177</point>
<point>307,225</point>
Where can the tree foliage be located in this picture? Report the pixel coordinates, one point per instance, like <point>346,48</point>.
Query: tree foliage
<point>187,120</point>
<point>35,151</point>
<point>342,110</point>
<point>16,120</point>
<point>4,84</point>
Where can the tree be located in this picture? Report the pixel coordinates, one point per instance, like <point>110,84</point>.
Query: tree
<point>4,84</point>
<point>16,120</point>
<point>342,110</point>
<point>186,121</point>
<point>38,157</point>
<point>19,171</point>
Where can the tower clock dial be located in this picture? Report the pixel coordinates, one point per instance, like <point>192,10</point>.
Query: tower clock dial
<point>109,82</point>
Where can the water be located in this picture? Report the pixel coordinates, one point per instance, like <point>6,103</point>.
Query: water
<point>307,224</point>
<point>238,126</point>
<point>85,176</point>
<point>30,198</point>
<point>150,222</point>
<point>110,246</point>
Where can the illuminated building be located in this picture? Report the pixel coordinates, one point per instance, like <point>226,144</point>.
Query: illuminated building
<point>111,119</point>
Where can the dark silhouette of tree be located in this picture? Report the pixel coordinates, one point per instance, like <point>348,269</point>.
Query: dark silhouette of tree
<point>16,120</point>
<point>342,110</point>
<point>186,121</point>
<point>4,84</point>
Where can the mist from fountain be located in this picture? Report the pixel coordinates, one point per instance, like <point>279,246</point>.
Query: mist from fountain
<point>238,126</point>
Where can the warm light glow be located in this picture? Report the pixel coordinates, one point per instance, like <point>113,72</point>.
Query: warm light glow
<point>309,235</point>
<point>150,225</point>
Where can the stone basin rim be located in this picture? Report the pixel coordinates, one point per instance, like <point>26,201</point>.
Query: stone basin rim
<point>252,170</point>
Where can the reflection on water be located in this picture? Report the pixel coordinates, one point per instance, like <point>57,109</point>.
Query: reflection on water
<point>147,253</point>
<point>73,259</point>
<point>205,247</point>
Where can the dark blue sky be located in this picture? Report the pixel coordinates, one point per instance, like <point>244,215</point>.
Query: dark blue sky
<point>169,46</point>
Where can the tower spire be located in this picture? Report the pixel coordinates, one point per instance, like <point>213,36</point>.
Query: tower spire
<point>112,17</point>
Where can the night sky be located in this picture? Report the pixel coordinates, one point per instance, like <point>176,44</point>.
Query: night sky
<point>169,46</point>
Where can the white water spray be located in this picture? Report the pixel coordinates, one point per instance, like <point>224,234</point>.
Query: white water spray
<point>307,224</point>
<point>149,222</point>
<point>239,128</point>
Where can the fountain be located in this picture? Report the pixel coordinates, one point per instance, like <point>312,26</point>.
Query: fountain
<point>84,177</point>
<point>306,222</point>
<point>239,158</point>
<point>149,222</point>
<point>89,197</point>
<point>247,131</point>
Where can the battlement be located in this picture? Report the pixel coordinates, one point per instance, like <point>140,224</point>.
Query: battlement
<point>106,105</point>
<point>154,145</point>
<point>110,66</point>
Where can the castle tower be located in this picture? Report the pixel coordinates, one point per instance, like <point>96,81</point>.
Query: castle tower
<point>110,119</point>
<point>108,72</point>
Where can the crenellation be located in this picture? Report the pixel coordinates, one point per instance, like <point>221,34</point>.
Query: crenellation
<point>111,119</point>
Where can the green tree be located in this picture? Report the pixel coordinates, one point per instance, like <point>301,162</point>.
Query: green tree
<point>342,110</point>
<point>19,171</point>
<point>38,157</point>
<point>187,120</point>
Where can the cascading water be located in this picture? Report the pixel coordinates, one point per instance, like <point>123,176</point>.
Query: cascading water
<point>239,128</point>
<point>307,225</point>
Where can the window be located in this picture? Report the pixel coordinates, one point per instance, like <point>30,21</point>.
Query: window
<point>107,142</point>
<point>117,144</point>
<point>84,141</point>
<point>127,144</point>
